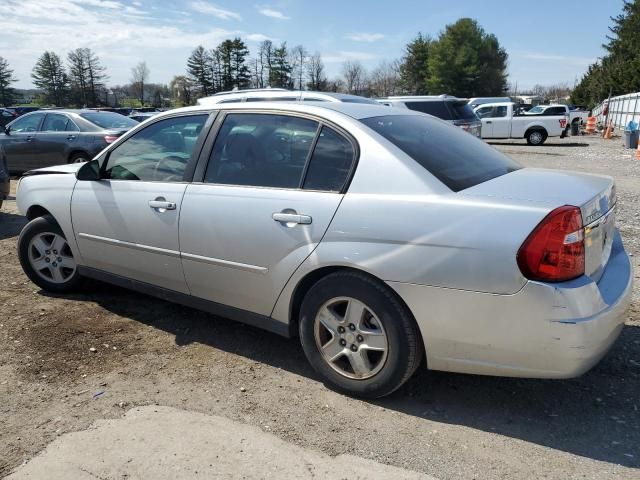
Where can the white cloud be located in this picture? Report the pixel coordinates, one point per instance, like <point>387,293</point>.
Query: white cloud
<point>344,55</point>
<point>269,12</point>
<point>567,59</point>
<point>211,9</point>
<point>258,37</point>
<point>365,37</point>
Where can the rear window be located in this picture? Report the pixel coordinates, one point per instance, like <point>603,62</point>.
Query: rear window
<point>461,111</point>
<point>437,109</point>
<point>457,159</point>
<point>109,120</point>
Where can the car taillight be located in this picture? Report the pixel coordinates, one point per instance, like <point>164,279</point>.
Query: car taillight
<point>554,251</point>
<point>110,138</point>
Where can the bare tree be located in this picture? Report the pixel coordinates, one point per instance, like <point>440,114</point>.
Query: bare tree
<point>298,57</point>
<point>181,88</point>
<point>354,77</point>
<point>265,57</point>
<point>385,79</point>
<point>315,73</point>
<point>139,77</point>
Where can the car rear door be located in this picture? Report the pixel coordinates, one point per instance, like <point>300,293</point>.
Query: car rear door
<point>56,138</point>
<point>260,204</point>
<point>127,223</point>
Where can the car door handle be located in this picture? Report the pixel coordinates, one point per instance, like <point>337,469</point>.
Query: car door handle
<point>488,121</point>
<point>292,218</point>
<point>71,137</point>
<point>28,139</point>
<point>162,205</point>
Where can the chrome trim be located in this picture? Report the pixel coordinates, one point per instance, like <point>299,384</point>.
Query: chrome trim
<point>225,263</point>
<point>134,246</point>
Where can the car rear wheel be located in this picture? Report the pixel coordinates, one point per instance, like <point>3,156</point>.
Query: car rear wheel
<point>46,257</point>
<point>358,335</point>
<point>536,137</point>
<point>79,158</point>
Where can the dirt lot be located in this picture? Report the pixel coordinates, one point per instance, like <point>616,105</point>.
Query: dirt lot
<point>449,426</point>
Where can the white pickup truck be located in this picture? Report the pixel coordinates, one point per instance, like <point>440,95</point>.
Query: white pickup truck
<point>575,115</point>
<point>499,121</point>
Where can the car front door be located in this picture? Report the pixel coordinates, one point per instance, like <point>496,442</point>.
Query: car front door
<point>269,191</point>
<point>487,124</point>
<point>501,123</point>
<point>20,145</point>
<point>127,222</point>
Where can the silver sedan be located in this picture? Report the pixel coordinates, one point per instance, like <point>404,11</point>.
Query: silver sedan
<point>382,238</point>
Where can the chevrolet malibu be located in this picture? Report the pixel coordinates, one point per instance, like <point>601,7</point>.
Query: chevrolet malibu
<point>382,238</point>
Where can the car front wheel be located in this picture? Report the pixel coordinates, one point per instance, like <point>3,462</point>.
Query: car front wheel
<point>358,335</point>
<point>46,257</point>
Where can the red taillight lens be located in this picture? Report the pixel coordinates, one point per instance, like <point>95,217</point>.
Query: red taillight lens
<point>554,251</point>
<point>110,138</point>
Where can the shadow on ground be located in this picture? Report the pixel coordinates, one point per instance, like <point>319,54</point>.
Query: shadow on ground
<point>11,223</point>
<point>595,416</point>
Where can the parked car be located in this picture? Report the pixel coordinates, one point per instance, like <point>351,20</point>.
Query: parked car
<point>5,180</point>
<point>446,107</point>
<point>574,115</point>
<point>52,137</point>
<point>501,120</point>
<point>22,110</point>
<point>280,95</point>
<point>374,234</point>
<point>477,101</point>
<point>6,116</point>
<point>142,116</point>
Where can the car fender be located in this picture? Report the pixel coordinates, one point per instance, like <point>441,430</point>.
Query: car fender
<point>51,191</point>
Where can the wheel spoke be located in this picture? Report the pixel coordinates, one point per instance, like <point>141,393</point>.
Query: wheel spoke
<point>56,274</point>
<point>360,363</point>
<point>355,312</point>
<point>333,350</point>
<point>58,243</point>
<point>329,320</point>
<point>39,264</point>
<point>67,262</point>
<point>374,340</point>
<point>40,246</point>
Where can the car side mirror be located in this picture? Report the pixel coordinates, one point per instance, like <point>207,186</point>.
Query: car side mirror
<point>7,130</point>
<point>90,171</point>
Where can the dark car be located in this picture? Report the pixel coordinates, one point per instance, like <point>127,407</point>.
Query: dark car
<point>22,110</point>
<point>7,115</point>
<point>4,177</point>
<point>53,137</point>
<point>142,116</point>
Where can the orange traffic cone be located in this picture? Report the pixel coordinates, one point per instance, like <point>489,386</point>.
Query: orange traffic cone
<point>638,152</point>
<point>608,132</point>
<point>591,125</point>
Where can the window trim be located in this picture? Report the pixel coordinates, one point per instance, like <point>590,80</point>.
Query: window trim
<point>187,177</point>
<point>203,161</point>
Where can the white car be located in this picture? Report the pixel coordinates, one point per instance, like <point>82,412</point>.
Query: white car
<point>499,120</point>
<point>280,95</point>
<point>575,115</point>
<point>372,234</point>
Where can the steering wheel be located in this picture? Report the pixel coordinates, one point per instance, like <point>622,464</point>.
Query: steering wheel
<point>158,174</point>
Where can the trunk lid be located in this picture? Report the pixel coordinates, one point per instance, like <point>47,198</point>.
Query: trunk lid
<point>595,195</point>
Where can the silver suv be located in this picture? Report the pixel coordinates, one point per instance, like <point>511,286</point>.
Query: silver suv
<point>281,95</point>
<point>452,109</point>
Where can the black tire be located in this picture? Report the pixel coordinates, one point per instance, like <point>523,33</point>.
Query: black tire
<point>536,137</point>
<point>35,227</point>
<point>79,157</point>
<point>405,347</point>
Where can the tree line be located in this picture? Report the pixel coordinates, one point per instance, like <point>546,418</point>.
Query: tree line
<point>463,60</point>
<point>618,72</point>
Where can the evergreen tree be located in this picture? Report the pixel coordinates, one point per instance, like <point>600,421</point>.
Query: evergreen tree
<point>7,94</point>
<point>49,75</point>
<point>239,68</point>
<point>200,70</point>
<point>414,67</point>
<point>225,51</point>
<point>280,72</point>
<point>467,62</point>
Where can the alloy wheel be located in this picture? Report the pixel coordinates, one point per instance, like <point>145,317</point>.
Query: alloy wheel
<point>51,258</point>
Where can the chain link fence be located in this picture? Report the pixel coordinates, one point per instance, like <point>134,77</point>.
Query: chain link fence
<point>622,110</point>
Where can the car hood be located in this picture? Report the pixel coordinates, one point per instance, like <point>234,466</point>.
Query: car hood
<point>69,168</point>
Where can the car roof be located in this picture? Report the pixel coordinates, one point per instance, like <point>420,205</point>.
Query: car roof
<point>223,97</point>
<point>357,111</point>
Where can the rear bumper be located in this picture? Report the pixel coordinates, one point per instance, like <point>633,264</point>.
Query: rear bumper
<point>543,331</point>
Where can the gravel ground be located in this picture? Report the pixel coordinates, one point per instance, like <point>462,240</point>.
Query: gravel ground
<point>450,426</point>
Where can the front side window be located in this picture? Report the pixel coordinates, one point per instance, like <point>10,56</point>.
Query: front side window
<point>55,122</point>
<point>158,153</point>
<point>330,162</point>
<point>499,112</point>
<point>457,159</point>
<point>484,112</point>
<point>261,150</point>
<point>28,123</point>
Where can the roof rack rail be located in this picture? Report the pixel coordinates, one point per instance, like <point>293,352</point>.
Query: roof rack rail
<point>242,90</point>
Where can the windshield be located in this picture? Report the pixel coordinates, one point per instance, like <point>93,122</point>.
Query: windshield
<point>457,159</point>
<point>108,120</point>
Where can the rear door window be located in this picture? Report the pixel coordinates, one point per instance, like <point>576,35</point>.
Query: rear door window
<point>457,159</point>
<point>331,162</point>
<point>437,109</point>
<point>55,122</point>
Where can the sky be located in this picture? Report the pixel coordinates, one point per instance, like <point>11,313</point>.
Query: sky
<point>548,41</point>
